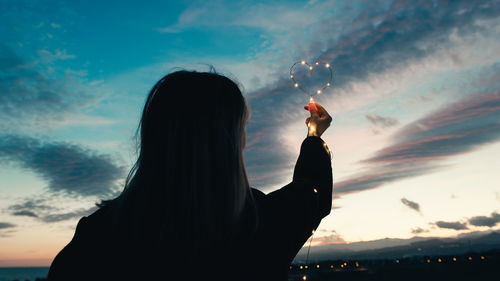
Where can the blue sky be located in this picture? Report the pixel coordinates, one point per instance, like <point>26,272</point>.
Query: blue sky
<point>415,103</point>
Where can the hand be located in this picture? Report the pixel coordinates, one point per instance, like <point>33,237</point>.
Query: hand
<point>319,120</point>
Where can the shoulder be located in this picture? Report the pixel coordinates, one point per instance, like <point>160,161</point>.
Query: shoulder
<point>257,194</point>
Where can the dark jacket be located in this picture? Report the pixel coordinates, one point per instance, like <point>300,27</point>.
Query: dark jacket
<point>287,218</point>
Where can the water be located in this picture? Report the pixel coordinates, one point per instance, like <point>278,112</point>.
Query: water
<point>22,273</point>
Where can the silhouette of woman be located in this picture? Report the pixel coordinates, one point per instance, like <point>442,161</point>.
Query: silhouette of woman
<point>187,209</point>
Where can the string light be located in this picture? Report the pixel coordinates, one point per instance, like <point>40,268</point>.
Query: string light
<point>311,67</point>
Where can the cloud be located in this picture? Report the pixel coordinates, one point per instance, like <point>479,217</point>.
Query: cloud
<point>25,213</point>
<point>66,167</point>
<point>49,208</point>
<point>376,42</point>
<point>451,225</point>
<point>418,230</point>
<point>332,237</point>
<point>35,205</point>
<point>267,17</point>
<point>417,148</point>
<point>5,225</point>
<point>29,98</point>
<point>382,122</point>
<point>490,221</point>
<point>457,128</point>
<point>50,218</point>
<point>410,204</point>
<point>48,57</point>
<point>380,175</point>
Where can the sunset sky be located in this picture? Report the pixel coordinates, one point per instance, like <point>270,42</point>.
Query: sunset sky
<point>415,101</point>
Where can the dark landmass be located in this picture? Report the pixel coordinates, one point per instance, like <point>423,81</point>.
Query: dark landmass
<point>400,248</point>
<point>469,266</point>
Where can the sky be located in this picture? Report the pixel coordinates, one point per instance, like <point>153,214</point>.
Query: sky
<point>415,101</point>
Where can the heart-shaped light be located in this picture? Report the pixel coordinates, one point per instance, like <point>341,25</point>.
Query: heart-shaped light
<point>311,67</point>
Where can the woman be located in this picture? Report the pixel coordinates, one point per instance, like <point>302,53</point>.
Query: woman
<point>187,209</point>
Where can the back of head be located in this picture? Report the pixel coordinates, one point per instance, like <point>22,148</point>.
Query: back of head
<point>189,185</point>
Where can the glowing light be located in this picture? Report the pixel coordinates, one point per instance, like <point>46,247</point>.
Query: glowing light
<point>470,258</point>
<point>357,264</point>
<point>317,266</point>
<point>312,129</point>
<point>440,260</point>
<point>304,277</point>
<point>454,259</point>
<point>482,257</point>
<point>326,148</point>
<point>311,92</point>
<point>342,265</point>
<point>305,267</point>
<point>428,261</point>
<point>331,266</point>
<point>315,191</point>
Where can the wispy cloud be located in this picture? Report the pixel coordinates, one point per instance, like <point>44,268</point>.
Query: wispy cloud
<point>489,221</point>
<point>458,128</point>
<point>57,217</point>
<point>451,225</point>
<point>418,230</point>
<point>25,213</point>
<point>4,225</point>
<point>66,167</point>
<point>382,41</point>
<point>31,100</point>
<point>382,122</point>
<point>411,204</point>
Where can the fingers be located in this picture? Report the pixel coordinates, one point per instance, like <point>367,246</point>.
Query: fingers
<point>317,111</point>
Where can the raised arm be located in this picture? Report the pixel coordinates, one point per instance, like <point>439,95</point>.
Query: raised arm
<point>297,208</point>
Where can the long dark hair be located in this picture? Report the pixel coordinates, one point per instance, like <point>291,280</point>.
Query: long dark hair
<point>189,185</point>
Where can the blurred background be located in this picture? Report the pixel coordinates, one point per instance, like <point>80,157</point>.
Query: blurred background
<point>415,101</point>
